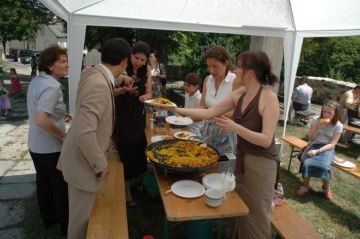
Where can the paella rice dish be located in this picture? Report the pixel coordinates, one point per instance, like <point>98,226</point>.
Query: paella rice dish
<point>162,101</point>
<point>183,154</point>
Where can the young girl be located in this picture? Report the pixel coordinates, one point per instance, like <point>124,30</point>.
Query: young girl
<point>192,98</point>
<point>4,100</point>
<point>325,131</point>
<point>15,82</point>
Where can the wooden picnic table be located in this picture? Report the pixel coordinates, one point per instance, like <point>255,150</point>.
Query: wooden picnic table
<point>182,209</point>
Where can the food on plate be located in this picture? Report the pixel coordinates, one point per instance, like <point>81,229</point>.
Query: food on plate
<point>162,101</point>
<point>183,135</point>
<point>183,154</point>
<point>325,121</point>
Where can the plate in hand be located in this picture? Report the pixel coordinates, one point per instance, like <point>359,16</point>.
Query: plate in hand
<point>160,102</point>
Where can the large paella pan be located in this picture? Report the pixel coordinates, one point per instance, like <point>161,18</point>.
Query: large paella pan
<point>181,156</point>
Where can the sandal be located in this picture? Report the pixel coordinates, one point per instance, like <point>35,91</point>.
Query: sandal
<point>302,191</point>
<point>329,195</point>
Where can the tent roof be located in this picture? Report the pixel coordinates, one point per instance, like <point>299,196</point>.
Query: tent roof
<point>252,17</point>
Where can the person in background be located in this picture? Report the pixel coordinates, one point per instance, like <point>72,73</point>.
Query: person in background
<point>192,84</point>
<point>324,133</point>
<point>83,157</point>
<point>351,101</point>
<point>15,83</point>
<point>47,116</point>
<point>93,57</point>
<point>131,117</point>
<point>158,75</point>
<point>5,104</point>
<point>217,86</point>
<point>255,117</point>
<point>33,65</point>
<point>302,95</point>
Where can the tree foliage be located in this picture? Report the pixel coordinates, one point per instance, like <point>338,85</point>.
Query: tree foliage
<point>194,45</point>
<point>21,19</point>
<point>185,48</point>
<point>160,41</point>
<point>337,58</point>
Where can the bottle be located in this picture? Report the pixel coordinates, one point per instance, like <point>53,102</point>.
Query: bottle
<point>152,120</point>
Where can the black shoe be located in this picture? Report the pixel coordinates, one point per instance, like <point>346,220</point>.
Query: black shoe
<point>49,224</point>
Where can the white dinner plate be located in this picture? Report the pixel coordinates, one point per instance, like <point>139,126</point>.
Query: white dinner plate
<point>187,189</point>
<point>151,102</point>
<point>156,138</point>
<point>213,180</point>
<point>179,120</point>
<point>184,135</point>
<point>345,164</point>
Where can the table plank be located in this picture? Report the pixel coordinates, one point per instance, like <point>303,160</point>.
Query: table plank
<point>352,129</point>
<point>108,218</point>
<point>182,209</point>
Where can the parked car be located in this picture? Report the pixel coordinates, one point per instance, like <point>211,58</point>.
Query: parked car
<point>25,55</point>
<point>13,53</point>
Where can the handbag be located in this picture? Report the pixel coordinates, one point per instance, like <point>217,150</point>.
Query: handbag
<point>304,150</point>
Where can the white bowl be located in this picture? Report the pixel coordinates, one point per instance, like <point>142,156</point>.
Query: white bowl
<point>214,197</point>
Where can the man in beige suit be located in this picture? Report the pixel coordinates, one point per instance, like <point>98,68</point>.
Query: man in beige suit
<point>83,156</point>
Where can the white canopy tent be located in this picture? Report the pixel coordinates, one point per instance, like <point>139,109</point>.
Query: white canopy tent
<point>290,19</point>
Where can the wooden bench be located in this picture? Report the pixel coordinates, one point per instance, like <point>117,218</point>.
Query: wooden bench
<point>290,225</point>
<point>108,218</point>
<point>302,116</point>
<point>352,129</point>
<point>296,144</point>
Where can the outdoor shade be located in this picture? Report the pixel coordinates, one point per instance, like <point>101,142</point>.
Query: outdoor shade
<point>290,19</point>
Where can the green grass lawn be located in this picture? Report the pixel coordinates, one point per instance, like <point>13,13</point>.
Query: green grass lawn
<point>339,218</point>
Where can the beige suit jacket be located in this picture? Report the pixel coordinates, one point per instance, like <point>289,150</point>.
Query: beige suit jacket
<point>83,153</point>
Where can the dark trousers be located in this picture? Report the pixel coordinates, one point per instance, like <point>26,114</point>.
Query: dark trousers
<point>300,107</point>
<point>52,190</point>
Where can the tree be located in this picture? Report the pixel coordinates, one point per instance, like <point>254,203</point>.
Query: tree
<point>21,19</point>
<point>161,41</point>
<point>192,49</point>
<point>337,58</point>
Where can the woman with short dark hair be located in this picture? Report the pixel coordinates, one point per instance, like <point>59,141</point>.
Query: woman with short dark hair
<point>47,113</point>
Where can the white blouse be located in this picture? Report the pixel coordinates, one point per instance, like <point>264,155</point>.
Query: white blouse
<point>212,96</point>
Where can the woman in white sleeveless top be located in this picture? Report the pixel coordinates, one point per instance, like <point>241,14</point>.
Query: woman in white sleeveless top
<point>218,85</point>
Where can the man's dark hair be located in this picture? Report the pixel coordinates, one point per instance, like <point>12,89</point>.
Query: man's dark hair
<point>114,51</point>
<point>357,86</point>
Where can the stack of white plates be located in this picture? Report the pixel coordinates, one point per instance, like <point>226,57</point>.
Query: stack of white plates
<point>213,180</point>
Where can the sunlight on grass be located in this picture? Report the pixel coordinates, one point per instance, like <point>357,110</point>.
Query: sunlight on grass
<point>339,218</point>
